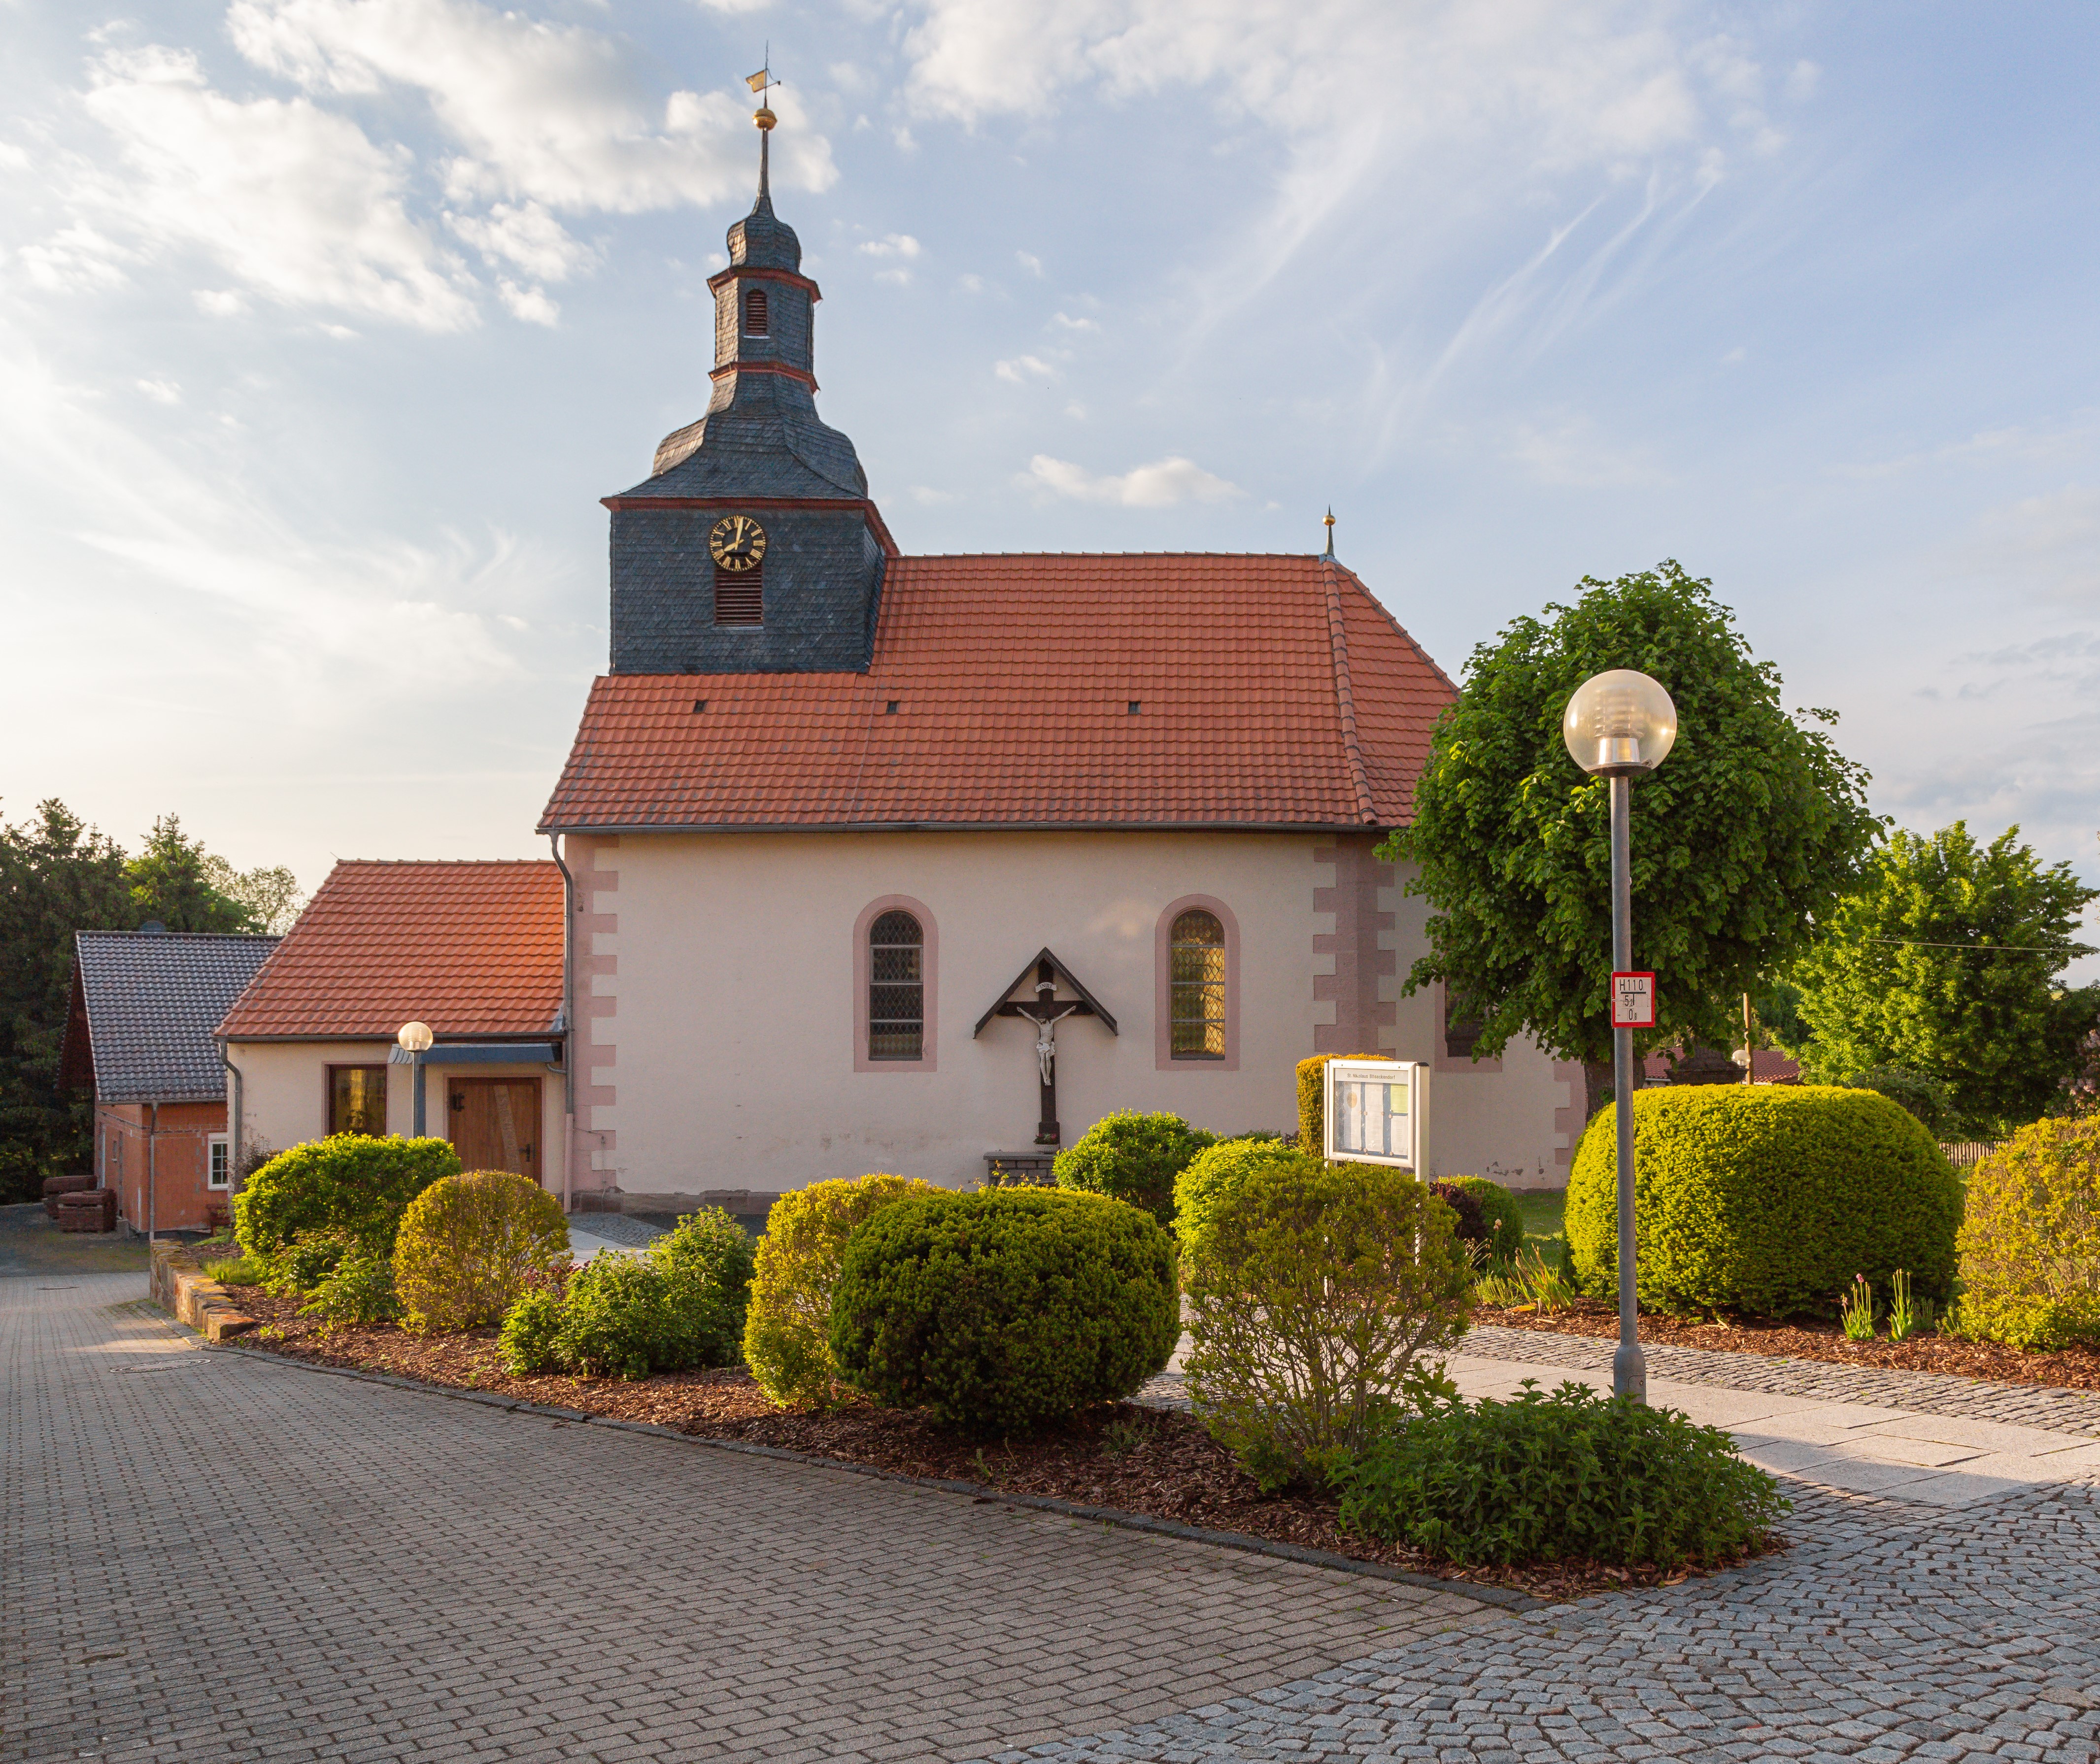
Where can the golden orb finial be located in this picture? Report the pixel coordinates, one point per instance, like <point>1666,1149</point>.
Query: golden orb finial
<point>764,118</point>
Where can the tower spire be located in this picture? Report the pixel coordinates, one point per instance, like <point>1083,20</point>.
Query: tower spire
<point>761,82</point>
<point>1328,524</point>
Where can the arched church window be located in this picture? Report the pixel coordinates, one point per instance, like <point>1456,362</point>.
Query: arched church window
<point>896,988</point>
<point>754,312</point>
<point>1196,957</point>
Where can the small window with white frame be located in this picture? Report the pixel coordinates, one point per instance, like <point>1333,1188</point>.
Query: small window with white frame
<point>218,1153</point>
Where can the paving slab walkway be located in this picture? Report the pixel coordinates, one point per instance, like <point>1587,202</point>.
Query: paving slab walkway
<point>215,1556</point>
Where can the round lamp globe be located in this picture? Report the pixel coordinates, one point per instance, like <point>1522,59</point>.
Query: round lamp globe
<point>1620,722</point>
<point>415,1037</point>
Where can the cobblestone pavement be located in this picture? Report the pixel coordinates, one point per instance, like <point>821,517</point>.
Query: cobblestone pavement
<point>217,1556</point>
<point>1934,1393</point>
<point>1888,1632</point>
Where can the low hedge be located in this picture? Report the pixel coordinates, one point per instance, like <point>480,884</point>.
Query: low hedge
<point>1768,1199</point>
<point>1133,1156</point>
<point>679,1304</point>
<point>1502,1219</point>
<point>1319,1295</point>
<point>1573,1476</point>
<point>787,1331</point>
<point>1213,1176</point>
<point>1002,1310</point>
<point>467,1245</point>
<point>2030,1241</point>
<point>349,1183</point>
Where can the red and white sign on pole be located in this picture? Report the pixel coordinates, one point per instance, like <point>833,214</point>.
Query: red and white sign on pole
<point>1633,1001</point>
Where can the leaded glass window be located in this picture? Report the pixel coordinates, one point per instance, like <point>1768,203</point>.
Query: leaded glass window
<point>1196,955</point>
<point>896,988</point>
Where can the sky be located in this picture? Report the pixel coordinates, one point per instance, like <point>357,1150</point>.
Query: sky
<point>325,324</point>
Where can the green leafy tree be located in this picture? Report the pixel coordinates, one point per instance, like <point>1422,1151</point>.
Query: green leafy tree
<point>1754,826</point>
<point>1943,963</point>
<point>56,875</point>
<point>172,881</point>
<point>271,895</point>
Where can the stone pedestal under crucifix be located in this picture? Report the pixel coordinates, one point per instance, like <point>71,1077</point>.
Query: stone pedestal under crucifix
<point>1046,1011</point>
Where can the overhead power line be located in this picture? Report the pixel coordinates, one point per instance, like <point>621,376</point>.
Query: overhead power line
<point>1985,949</point>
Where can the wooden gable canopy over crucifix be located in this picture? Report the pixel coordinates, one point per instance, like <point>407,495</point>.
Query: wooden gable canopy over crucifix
<point>1046,1010</point>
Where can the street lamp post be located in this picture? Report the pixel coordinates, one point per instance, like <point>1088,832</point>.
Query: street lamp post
<point>1619,725</point>
<point>415,1039</point>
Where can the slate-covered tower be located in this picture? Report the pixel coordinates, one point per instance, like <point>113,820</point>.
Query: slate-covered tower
<point>759,472</point>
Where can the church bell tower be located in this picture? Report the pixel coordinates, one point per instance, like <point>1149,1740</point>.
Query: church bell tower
<point>752,546</point>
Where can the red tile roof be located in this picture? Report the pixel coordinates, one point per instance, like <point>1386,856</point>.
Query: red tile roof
<point>1271,691</point>
<point>471,949</point>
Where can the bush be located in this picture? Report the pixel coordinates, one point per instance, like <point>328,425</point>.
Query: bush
<point>706,1259</point>
<point>303,1263</point>
<point>1004,1309</point>
<point>238,1271</point>
<point>346,1183</point>
<point>1466,1218</point>
<point>1922,1095</point>
<point>1132,1157</point>
<point>2030,1242</point>
<point>1766,1199</point>
<point>1502,1219</point>
<point>467,1244</point>
<point>787,1336</point>
<point>1570,1477</point>
<point>679,1305</point>
<point>1213,1176</point>
<point>359,1289</point>
<point>1312,1296</point>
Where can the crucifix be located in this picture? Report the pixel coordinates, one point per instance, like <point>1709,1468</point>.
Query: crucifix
<point>1046,1013</point>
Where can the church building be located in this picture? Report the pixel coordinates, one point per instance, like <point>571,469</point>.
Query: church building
<point>877,861</point>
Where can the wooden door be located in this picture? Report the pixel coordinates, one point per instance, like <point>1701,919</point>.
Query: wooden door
<point>496,1123</point>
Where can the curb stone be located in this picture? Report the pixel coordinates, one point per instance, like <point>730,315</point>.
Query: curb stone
<point>983,1493</point>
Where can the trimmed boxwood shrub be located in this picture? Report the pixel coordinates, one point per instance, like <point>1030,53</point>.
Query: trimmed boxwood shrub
<point>467,1245</point>
<point>1502,1219</point>
<point>1129,1156</point>
<point>1570,1477</point>
<point>1214,1175</point>
<point>1768,1199</point>
<point>1318,1295</point>
<point>2030,1241</point>
<point>1005,1309</point>
<point>787,1333</point>
<point>348,1182</point>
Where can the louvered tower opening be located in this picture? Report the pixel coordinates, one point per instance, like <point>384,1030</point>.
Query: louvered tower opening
<point>740,596</point>
<point>755,318</point>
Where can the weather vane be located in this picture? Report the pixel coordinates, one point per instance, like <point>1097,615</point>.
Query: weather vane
<point>762,82</point>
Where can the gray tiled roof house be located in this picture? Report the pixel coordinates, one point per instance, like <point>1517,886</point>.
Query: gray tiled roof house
<point>145,1006</point>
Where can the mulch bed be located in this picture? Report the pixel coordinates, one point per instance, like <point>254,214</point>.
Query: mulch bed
<point>1157,1463</point>
<point>2072,1368</point>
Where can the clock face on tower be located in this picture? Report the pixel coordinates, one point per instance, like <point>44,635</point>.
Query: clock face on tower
<point>737,542</point>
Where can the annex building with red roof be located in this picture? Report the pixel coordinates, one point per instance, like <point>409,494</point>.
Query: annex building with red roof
<point>878,862</point>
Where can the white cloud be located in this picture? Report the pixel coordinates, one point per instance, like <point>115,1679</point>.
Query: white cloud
<point>1066,322</point>
<point>221,302</point>
<point>2053,539</point>
<point>1023,369</point>
<point>162,391</point>
<point>527,236</point>
<point>1157,486</point>
<point>892,246</point>
<point>295,202</point>
<point>554,112</point>
<point>76,259</point>
<point>1029,262</point>
<point>1570,451</point>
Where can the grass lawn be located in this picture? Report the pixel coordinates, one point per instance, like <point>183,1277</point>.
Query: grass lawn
<point>1541,1215</point>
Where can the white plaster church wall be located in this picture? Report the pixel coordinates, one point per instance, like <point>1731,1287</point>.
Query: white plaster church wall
<point>718,981</point>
